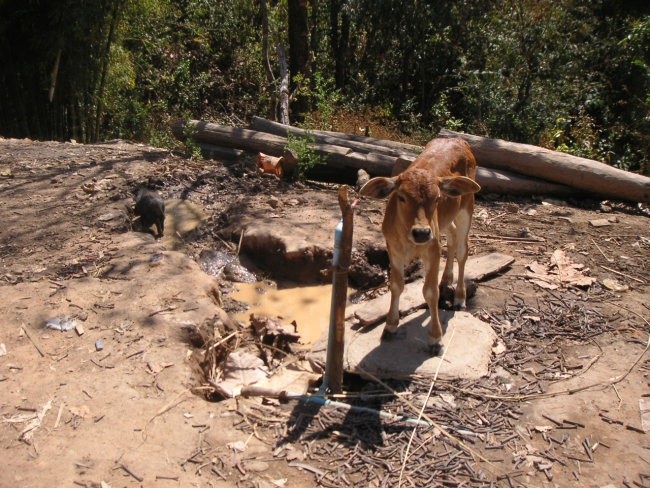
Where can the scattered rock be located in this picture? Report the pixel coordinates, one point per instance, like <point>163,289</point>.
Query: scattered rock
<point>256,466</point>
<point>274,202</point>
<point>61,323</point>
<point>614,285</point>
<point>600,223</point>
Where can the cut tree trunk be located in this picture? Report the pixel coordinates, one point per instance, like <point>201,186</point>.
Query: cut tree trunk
<point>592,176</point>
<point>264,125</point>
<point>361,143</point>
<point>506,182</point>
<point>210,151</point>
<point>254,141</point>
<point>342,162</point>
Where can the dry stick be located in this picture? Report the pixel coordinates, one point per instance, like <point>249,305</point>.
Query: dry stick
<point>217,344</point>
<point>639,280</point>
<point>609,260</point>
<point>241,238</point>
<point>126,468</point>
<point>424,404</point>
<point>226,243</point>
<point>430,420</point>
<point>180,398</point>
<point>631,311</point>
<point>520,398</point>
<point>29,336</point>
<point>591,362</point>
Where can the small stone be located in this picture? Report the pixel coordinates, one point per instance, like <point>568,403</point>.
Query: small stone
<point>99,345</point>
<point>106,217</point>
<point>3,349</point>
<point>256,466</point>
<point>600,223</point>
<point>274,202</point>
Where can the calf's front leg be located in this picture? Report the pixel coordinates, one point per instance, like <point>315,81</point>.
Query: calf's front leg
<point>431,294</point>
<point>396,289</point>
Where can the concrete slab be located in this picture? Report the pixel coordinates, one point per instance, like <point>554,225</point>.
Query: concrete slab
<point>467,348</point>
<point>477,268</point>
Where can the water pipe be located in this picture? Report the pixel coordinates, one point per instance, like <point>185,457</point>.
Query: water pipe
<point>318,398</point>
<point>338,238</point>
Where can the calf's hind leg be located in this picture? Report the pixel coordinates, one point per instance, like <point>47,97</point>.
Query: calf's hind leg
<point>461,240</point>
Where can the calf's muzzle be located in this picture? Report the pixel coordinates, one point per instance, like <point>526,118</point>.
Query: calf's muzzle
<point>421,235</point>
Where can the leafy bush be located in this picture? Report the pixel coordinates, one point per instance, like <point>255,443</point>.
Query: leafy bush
<point>307,155</point>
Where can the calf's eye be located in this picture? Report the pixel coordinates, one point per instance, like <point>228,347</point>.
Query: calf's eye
<point>401,198</point>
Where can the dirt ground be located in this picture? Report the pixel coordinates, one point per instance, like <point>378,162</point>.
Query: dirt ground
<point>121,403</point>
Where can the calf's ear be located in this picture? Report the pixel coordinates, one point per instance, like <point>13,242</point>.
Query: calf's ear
<point>455,186</point>
<point>379,187</point>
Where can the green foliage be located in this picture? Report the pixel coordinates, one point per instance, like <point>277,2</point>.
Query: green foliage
<point>306,154</point>
<point>191,147</point>
<point>569,75</point>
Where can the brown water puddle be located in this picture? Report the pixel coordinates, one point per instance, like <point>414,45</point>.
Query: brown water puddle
<point>309,306</point>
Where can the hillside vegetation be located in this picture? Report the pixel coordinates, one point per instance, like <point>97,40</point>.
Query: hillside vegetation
<point>568,75</point>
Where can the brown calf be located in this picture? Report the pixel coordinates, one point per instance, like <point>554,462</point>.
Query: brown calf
<point>435,194</point>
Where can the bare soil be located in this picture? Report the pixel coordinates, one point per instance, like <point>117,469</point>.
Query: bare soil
<point>123,403</point>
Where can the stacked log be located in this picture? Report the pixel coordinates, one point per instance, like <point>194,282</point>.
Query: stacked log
<point>591,176</point>
<point>504,167</point>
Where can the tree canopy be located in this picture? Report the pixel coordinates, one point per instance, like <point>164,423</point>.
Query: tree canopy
<point>567,74</point>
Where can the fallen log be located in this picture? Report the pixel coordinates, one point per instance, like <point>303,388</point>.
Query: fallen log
<point>592,176</point>
<point>210,151</point>
<point>507,182</point>
<point>254,141</point>
<point>342,162</point>
<point>359,143</point>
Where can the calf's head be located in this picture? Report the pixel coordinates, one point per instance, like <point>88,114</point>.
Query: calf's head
<point>415,198</point>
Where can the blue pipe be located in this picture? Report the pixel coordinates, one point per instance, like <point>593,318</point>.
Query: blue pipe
<point>319,399</point>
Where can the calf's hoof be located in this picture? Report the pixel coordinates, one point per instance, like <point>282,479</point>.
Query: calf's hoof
<point>388,335</point>
<point>445,297</point>
<point>435,349</point>
<point>459,306</point>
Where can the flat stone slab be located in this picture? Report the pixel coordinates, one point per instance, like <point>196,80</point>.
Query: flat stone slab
<point>477,268</point>
<point>466,348</point>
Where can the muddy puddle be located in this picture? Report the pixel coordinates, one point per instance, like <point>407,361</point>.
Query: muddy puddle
<point>309,306</point>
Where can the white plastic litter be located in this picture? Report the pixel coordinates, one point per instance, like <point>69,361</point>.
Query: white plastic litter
<point>61,323</point>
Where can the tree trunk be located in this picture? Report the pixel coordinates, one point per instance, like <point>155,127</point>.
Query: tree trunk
<point>298,49</point>
<point>592,176</point>
<point>339,40</point>
<point>105,63</point>
<point>265,42</point>
<point>284,86</point>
